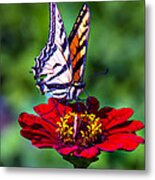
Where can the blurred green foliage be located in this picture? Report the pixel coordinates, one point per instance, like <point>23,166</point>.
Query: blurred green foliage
<point>116,42</point>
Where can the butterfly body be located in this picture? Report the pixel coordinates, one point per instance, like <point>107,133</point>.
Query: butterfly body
<point>59,68</point>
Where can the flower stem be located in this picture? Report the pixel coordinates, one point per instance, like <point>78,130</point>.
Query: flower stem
<point>79,162</point>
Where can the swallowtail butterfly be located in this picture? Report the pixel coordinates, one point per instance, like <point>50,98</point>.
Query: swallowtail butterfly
<point>59,69</point>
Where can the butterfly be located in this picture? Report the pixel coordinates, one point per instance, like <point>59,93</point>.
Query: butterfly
<point>59,69</point>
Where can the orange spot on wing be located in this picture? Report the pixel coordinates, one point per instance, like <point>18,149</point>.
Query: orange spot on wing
<point>77,75</point>
<point>74,45</point>
<point>76,59</point>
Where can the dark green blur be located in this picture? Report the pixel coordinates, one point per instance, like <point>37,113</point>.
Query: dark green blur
<point>116,43</point>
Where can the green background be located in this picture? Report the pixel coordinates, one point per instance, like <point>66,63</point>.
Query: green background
<point>116,42</point>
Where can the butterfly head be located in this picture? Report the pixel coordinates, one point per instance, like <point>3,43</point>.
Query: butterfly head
<point>79,84</point>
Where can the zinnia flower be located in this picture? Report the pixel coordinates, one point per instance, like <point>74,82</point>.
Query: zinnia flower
<point>81,130</point>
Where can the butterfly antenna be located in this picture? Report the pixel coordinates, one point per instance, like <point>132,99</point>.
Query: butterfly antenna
<point>104,72</point>
<point>86,92</point>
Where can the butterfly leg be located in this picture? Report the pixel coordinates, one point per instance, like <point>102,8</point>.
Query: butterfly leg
<point>86,92</point>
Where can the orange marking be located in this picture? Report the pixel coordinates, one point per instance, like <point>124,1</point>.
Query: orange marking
<point>77,75</point>
<point>76,59</point>
<point>74,45</point>
<point>78,56</point>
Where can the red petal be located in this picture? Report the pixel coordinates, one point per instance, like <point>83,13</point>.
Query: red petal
<point>123,141</point>
<point>39,138</point>
<point>52,111</point>
<point>43,143</point>
<point>102,113</point>
<point>26,119</point>
<point>60,108</point>
<point>92,104</point>
<point>49,126</point>
<point>108,146</point>
<point>44,108</point>
<point>36,134</point>
<point>88,153</point>
<point>116,117</point>
<point>78,107</point>
<point>40,133</point>
<point>35,122</point>
<point>129,126</point>
<point>26,133</point>
<point>67,150</point>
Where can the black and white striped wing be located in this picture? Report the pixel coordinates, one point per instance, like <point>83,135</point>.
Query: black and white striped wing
<point>53,69</point>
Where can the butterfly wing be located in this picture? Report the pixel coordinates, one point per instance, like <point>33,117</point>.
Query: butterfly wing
<point>78,41</point>
<point>53,70</point>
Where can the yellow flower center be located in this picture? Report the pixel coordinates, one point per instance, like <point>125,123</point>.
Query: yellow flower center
<point>83,129</point>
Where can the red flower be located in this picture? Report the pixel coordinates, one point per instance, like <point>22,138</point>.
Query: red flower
<point>81,130</point>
